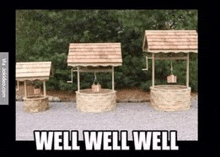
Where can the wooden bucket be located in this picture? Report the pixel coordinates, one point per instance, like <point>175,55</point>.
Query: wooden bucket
<point>37,91</point>
<point>96,87</point>
<point>171,79</point>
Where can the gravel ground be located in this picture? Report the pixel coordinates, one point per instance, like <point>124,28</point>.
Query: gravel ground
<point>126,116</point>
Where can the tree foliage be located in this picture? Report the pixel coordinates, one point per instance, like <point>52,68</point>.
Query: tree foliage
<point>44,35</point>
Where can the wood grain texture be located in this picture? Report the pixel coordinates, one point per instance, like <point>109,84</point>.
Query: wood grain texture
<point>95,54</point>
<point>171,41</point>
<point>33,70</point>
<point>90,60</point>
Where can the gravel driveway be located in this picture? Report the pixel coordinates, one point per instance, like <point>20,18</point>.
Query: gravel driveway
<point>126,116</point>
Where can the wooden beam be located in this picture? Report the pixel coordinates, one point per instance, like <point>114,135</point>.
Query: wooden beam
<point>113,83</point>
<point>187,71</point>
<point>95,70</point>
<point>170,51</point>
<point>88,60</point>
<point>25,89</point>
<point>33,74</point>
<point>168,58</point>
<point>93,64</point>
<point>78,79</point>
<point>94,56</point>
<point>31,78</point>
<point>153,70</point>
<point>143,43</point>
<point>44,86</point>
<point>17,85</point>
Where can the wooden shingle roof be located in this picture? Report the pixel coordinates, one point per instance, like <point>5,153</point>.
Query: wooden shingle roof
<point>33,70</point>
<point>176,41</point>
<point>94,54</point>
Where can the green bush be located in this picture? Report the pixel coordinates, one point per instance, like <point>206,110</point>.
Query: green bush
<point>44,35</point>
<point>146,85</point>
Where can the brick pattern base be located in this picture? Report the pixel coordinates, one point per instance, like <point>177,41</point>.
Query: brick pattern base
<point>36,104</point>
<point>88,101</point>
<point>170,97</point>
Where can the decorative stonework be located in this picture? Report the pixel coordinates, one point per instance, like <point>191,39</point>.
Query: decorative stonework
<point>170,97</point>
<point>88,101</point>
<point>36,104</point>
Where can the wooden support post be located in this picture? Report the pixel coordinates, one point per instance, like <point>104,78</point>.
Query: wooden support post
<point>78,79</point>
<point>187,71</point>
<point>153,70</point>
<point>25,89</point>
<point>44,86</point>
<point>17,85</point>
<point>113,83</point>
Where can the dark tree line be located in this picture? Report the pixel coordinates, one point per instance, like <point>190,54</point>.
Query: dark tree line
<point>44,35</point>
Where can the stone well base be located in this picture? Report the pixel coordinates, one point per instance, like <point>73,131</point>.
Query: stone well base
<point>88,101</point>
<point>36,104</point>
<point>170,97</point>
